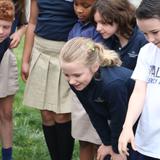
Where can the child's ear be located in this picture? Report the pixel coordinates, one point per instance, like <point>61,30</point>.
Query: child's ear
<point>95,67</point>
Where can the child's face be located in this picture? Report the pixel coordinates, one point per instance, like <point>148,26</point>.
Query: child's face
<point>105,29</point>
<point>77,74</point>
<point>82,9</point>
<point>5,29</point>
<point>151,29</point>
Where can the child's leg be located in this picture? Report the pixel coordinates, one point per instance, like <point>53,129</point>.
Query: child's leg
<point>48,126</point>
<point>57,131</point>
<point>65,140</point>
<point>87,150</point>
<point>6,126</point>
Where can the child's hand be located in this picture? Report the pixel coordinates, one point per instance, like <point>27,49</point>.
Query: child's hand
<point>24,71</point>
<point>15,40</point>
<point>126,137</point>
<point>116,156</point>
<point>104,151</point>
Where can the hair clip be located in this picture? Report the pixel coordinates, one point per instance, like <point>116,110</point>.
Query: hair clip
<point>90,46</point>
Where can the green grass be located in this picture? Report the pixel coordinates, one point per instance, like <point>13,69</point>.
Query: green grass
<point>28,140</point>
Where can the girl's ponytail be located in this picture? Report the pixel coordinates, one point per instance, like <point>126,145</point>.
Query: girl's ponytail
<point>86,51</point>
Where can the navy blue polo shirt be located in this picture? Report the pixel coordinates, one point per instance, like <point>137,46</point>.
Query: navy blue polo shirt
<point>128,53</point>
<point>88,30</point>
<point>55,19</point>
<point>106,98</point>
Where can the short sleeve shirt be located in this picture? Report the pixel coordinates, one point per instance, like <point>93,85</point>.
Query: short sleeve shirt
<point>148,130</point>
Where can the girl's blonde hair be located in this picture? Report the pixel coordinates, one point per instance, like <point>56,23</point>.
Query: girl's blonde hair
<point>88,52</point>
<point>7,10</point>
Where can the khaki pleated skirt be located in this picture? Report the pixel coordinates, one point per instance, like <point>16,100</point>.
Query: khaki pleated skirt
<point>8,75</point>
<point>46,87</point>
<point>82,128</point>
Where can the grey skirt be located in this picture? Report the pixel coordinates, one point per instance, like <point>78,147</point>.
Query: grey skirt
<point>46,87</point>
<point>8,75</point>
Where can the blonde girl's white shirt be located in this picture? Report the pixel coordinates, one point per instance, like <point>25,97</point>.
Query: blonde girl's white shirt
<point>147,136</point>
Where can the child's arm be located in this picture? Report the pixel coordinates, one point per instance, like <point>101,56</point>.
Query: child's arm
<point>16,36</point>
<point>136,103</point>
<point>29,40</point>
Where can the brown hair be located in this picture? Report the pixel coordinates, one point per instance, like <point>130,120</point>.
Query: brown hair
<point>88,52</point>
<point>121,12</point>
<point>20,11</point>
<point>148,9</point>
<point>7,10</point>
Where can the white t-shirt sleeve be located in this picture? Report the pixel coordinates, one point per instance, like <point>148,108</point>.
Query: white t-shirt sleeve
<point>141,71</point>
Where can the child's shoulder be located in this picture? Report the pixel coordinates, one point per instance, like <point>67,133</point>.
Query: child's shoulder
<point>148,51</point>
<point>149,48</point>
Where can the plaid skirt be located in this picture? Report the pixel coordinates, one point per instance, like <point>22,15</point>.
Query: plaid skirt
<point>46,87</point>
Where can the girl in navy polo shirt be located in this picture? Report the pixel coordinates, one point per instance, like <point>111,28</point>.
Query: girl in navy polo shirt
<point>102,87</point>
<point>46,89</point>
<point>85,133</point>
<point>116,22</point>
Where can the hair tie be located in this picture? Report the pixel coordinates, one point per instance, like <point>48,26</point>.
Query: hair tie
<point>90,46</point>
